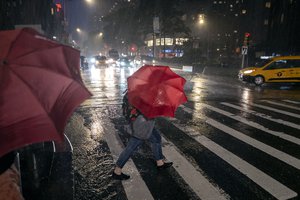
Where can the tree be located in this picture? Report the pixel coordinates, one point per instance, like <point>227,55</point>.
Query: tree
<point>133,21</point>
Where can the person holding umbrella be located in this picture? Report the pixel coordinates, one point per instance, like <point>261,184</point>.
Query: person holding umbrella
<point>153,91</point>
<point>134,142</point>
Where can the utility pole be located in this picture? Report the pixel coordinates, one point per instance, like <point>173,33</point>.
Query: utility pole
<point>245,49</point>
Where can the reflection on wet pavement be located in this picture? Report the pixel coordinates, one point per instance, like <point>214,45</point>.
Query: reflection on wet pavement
<point>92,161</point>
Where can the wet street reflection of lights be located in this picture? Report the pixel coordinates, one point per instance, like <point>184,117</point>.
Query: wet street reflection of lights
<point>96,128</point>
<point>111,91</point>
<point>197,90</point>
<point>95,74</point>
<point>246,95</point>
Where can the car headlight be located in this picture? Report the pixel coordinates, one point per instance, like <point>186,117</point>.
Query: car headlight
<point>249,71</point>
<point>92,60</point>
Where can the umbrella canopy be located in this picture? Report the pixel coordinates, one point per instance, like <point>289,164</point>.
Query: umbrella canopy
<point>40,86</point>
<point>156,91</point>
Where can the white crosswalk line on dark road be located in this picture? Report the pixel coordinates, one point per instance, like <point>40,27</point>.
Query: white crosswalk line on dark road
<point>280,121</point>
<point>280,104</point>
<point>269,184</point>
<point>254,124</point>
<point>290,160</point>
<point>275,110</point>
<point>201,186</point>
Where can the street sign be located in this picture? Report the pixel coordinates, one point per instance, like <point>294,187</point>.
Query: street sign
<point>244,50</point>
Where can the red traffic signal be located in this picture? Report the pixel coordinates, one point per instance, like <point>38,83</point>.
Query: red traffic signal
<point>133,48</point>
<point>247,35</point>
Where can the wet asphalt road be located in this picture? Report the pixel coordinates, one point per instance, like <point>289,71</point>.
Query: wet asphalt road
<point>225,130</point>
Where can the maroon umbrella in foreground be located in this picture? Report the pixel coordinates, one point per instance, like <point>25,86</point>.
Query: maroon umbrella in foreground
<point>40,86</point>
<point>156,91</point>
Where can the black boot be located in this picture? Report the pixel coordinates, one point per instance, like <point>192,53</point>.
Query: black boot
<point>120,177</point>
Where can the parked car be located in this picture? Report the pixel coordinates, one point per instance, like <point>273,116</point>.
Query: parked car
<point>277,69</point>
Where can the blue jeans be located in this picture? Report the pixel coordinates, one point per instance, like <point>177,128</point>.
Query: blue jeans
<point>134,143</point>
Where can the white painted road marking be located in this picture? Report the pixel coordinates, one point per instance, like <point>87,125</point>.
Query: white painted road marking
<point>280,121</point>
<point>284,157</point>
<point>280,104</point>
<point>269,184</point>
<point>289,101</point>
<point>276,110</point>
<point>200,185</point>
<point>255,125</point>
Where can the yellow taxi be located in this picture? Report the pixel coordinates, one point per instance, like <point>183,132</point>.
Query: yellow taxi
<point>276,69</point>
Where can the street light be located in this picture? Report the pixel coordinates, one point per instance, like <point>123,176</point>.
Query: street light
<point>78,30</point>
<point>202,21</point>
<point>201,18</point>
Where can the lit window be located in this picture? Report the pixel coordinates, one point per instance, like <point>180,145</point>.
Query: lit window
<point>157,42</point>
<point>169,41</point>
<point>179,41</point>
<point>150,43</point>
<point>231,6</point>
<point>215,2</point>
<point>235,31</point>
<point>220,2</point>
<point>268,4</point>
<point>236,15</point>
<point>266,22</point>
<point>244,11</point>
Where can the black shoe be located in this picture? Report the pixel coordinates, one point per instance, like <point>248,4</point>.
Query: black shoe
<point>165,165</point>
<point>120,177</point>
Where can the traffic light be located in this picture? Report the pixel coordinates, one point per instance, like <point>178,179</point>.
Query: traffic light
<point>246,39</point>
<point>133,48</point>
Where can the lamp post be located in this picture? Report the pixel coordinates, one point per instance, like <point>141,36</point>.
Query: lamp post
<point>202,22</point>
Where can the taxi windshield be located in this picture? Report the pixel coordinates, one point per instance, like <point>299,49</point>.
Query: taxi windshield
<point>262,63</point>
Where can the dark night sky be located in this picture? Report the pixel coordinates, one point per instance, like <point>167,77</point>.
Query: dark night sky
<point>78,13</point>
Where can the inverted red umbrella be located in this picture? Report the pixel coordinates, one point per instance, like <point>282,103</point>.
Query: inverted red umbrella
<point>156,91</point>
<point>40,86</point>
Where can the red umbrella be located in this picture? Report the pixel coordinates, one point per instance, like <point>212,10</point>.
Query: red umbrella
<point>156,91</point>
<point>40,86</point>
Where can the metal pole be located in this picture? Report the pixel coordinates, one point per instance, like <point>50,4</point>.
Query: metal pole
<point>243,61</point>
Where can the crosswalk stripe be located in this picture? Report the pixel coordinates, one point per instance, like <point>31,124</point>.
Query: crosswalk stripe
<point>290,160</point>
<point>269,184</point>
<point>200,185</point>
<point>135,187</point>
<point>289,101</point>
<point>255,125</point>
<point>280,104</point>
<point>276,110</point>
<point>280,121</point>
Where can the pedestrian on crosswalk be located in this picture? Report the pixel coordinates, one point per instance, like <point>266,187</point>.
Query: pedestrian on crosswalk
<point>134,142</point>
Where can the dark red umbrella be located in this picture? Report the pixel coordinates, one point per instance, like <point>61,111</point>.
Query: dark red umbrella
<point>40,86</point>
<point>156,91</point>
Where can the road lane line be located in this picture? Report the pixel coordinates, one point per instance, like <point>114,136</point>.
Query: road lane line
<point>289,101</point>
<point>135,187</point>
<point>281,104</point>
<point>266,182</point>
<point>276,110</point>
<point>254,124</point>
<point>284,157</point>
<point>199,184</point>
<point>280,121</point>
